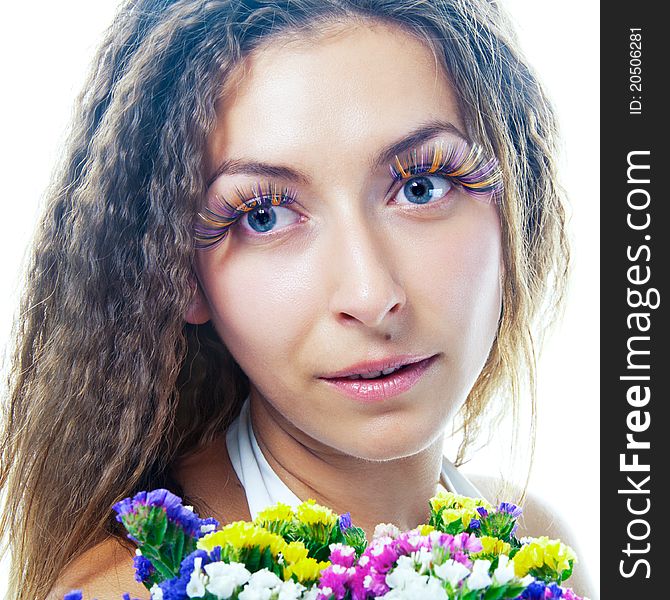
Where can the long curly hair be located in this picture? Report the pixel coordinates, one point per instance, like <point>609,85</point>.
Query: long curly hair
<point>108,386</point>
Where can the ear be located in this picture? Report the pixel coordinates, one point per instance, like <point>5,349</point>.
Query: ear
<point>197,312</point>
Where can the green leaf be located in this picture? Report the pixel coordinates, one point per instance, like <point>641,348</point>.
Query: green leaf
<point>253,559</point>
<point>266,559</point>
<point>163,569</point>
<point>156,526</point>
<point>494,593</point>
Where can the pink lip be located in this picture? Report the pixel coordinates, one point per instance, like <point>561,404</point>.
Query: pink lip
<point>381,388</point>
<point>365,367</point>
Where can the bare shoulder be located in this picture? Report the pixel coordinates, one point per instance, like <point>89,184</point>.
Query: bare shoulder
<point>104,572</point>
<point>541,518</point>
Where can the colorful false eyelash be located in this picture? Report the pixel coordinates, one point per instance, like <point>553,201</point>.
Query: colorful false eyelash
<point>213,224</point>
<point>466,164</point>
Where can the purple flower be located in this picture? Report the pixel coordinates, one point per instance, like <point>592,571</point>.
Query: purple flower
<point>143,568</point>
<point>158,497</point>
<point>474,524</point>
<point>511,509</point>
<point>345,521</point>
<point>535,591</point>
<point>468,542</point>
<point>482,512</point>
<point>343,555</point>
<point>334,581</point>
<point>134,512</point>
<point>73,595</point>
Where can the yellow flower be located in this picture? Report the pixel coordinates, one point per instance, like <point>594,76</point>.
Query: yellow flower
<point>450,515</point>
<point>425,529</point>
<point>311,513</point>
<point>543,552</point>
<point>294,552</point>
<point>242,534</point>
<point>493,546</point>
<point>454,501</point>
<point>278,512</point>
<point>306,570</point>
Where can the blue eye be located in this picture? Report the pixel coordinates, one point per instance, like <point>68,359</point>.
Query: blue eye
<point>266,217</point>
<point>423,188</point>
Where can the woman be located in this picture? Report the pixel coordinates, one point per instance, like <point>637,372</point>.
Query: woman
<point>260,202</point>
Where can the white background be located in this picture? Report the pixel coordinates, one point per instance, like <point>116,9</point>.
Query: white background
<point>44,53</point>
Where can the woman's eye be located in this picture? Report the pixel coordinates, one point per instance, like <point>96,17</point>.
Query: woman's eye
<point>267,217</point>
<point>422,188</point>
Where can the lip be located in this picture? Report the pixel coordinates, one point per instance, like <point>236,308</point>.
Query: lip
<point>365,367</point>
<point>384,387</point>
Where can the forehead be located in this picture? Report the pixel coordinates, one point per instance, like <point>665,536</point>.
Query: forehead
<point>357,88</point>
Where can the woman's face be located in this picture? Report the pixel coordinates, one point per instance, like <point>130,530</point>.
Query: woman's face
<point>359,267</point>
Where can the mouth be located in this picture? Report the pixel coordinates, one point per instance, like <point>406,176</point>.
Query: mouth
<point>370,385</point>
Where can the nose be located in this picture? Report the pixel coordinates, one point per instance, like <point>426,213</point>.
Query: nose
<point>364,284</point>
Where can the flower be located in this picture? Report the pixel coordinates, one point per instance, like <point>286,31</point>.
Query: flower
<point>544,558</point>
<point>241,534</point>
<point>504,572</point>
<point>479,578</point>
<point>195,588</point>
<point>135,510</point>
<point>311,513</point>
<point>144,569</point>
<point>306,570</point>
<point>225,578</point>
<point>341,554</point>
<point>294,551</point>
<point>467,550</point>
<point>451,571</point>
<point>492,546</point>
<point>277,512</point>
<point>345,521</point>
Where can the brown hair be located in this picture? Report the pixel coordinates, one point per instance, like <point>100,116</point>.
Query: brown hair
<point>108,386</point>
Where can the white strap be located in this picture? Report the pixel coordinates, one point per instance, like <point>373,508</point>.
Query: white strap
<point>264,488</point>
<point>261,484</point>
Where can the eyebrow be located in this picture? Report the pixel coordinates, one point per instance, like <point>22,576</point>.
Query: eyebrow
<point>413,139</point>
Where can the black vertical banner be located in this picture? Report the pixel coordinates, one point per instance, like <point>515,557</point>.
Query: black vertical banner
<point>635,255</point>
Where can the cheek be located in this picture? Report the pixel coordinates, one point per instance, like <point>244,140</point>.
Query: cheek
<point>262,304</point>
<point>460,276</point>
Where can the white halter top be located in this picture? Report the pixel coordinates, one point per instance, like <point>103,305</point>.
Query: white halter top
<point>262,485</point>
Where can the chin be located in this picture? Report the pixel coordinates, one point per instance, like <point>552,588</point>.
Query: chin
<point>384,444</point>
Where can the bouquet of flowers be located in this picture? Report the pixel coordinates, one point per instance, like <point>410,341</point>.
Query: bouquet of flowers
<point>467,551</point>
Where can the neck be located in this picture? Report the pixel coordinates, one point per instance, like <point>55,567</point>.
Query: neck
<point>393,491</point>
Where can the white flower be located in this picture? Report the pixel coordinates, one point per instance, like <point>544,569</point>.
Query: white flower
<point>404,575</point>
<point>451,571</point>
<point>207,528</point>
<point>479,578</point>
<point>424,557</point>
<point>384,530</point>
<point>249,593</point>
<point>434,590</point>
<point>196,585</point>
<point>291,590</point>
<point>252,593</point>
<point>156,592</point>
<point>343,549</point>
<point>528,579</point>
<point>504,571</point>
<point>418,588</point>
<point>224,578</point>
<point>311,594</point>
<point>264,579</point>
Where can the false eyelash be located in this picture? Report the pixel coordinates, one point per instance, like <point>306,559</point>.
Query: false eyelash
<point>464,163</point>
<point>212,224</point>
